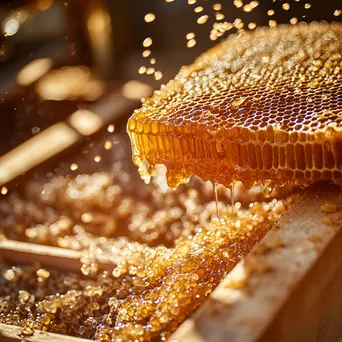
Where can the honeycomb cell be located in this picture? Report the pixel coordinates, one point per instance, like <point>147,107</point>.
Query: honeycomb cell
<point>262,106</point>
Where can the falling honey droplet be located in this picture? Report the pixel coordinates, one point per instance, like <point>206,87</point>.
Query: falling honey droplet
<point>293,21</point>
<point>247,8</point>
<point>270,12</point>
<point>97,159</point>
<point>191,2</point>
<point>252,26</point>
<point>254,4</point>
<point>147,42</point>
<point>232,198</point>
<point>238,3</point>
<point>4,190</point>
<point>219,16</point>
<point>337,12</point>
<point>142,70</point>
<point>191,43</point>
<point>272,23</point>
<point>108,145</point>
<point>198,9</point>
<point>190,35</point>
<point>158,75</point>
<point>150,71</point>
<point>286,6</point>
<point>202,20</point>
<point>73,167</point>
<point>153,61</point>
<point>146,53</point>
<point>111,128</point>
<point>268,189</point>
<point>307,6</point>
<point>149,17</point>
<point>217,7</point>
<point>216,200</point>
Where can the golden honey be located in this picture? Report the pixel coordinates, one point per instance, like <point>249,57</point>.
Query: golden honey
<point>261,106</point>
<point>168,253</point>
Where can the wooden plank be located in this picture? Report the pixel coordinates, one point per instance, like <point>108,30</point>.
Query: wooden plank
<point>64,259</point>
<point>10,333</point>
<point>289,288</point>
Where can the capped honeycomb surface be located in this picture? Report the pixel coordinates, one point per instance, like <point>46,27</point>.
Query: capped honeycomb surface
<point>262,106</point>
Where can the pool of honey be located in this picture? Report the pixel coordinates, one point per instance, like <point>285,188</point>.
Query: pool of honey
<point>170,249</point>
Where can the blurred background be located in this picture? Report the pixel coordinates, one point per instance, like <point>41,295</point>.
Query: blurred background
<point>41,39</point>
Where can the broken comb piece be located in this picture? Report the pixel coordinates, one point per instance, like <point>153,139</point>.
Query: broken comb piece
<point>263,106</point>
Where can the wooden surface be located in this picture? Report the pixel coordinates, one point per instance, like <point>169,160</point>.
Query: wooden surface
<point>10,333</point>
<point>64,259</point>
<point>289,288</point>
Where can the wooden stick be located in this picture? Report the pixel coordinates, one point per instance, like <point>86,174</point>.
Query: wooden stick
<point>60,258</point>
<point>9,333</point>
<point>289,288</point>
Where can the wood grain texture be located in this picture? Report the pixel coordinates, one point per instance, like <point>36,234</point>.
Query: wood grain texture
<point>289,288</point>
<point>60,258</point>
<point>9,333</point>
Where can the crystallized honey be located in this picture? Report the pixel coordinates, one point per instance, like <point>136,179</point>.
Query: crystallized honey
<point>262,106</point>
<point>168,249</point>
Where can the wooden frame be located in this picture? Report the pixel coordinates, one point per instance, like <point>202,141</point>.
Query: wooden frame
<point>287,289</point>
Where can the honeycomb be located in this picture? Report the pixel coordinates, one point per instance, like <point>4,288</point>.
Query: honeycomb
<point>260,106</point>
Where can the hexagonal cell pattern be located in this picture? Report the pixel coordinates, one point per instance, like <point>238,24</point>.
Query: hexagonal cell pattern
<point>263,106</point>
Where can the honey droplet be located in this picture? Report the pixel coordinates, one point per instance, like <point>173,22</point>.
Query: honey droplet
<point>150,71</point>
<point>217,7</point>
<point>73,167</point>
<point>4,190</point>
<point>191,2</point>
<point>293,21</point>
<point>252,26</point>
<point>307,6</point>
<point>108,145</point>
<point>97,159</point>
<point>198,9</point>
<point>238,3</point>
<point>202,20</point>
<point>142,70</point>
<point>158,75</point>
<point>337,12</point>
<point>153,61</point>
<point>147,42</point>
<point>111,128</point>
<point>270,12</point>
<point>272,23</point>
<point>191,43</point>
<point>146,53</point>
<point>149,17</point>
<point>190,35</point>
<point>286,6</point>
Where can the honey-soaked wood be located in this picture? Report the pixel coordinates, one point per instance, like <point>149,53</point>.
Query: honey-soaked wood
<point>262,106</point>
<point>289,286</point>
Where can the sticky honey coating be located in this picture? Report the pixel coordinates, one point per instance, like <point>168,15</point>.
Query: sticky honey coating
<point>262,106</point>
<point>167,248</point>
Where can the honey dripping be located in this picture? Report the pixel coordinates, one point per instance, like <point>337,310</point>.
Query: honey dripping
<point>263,118</point>
<point>216,200</point>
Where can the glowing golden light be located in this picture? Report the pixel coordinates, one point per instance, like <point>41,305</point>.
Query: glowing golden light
<point>36,150</point>
<point>111,128</point>
<point>4,190</point>
<point>43,5</point>
<point>34,71</point>
<point>85,122</point>
<point>10,26</point>
<point>136,90</point>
